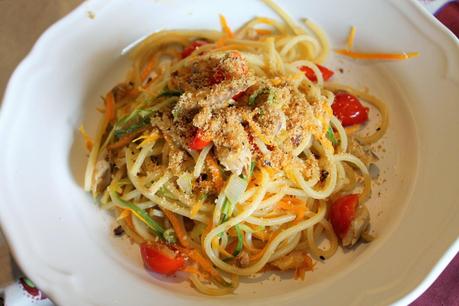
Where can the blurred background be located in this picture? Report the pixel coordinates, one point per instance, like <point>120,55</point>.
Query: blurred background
<point>23,21</point>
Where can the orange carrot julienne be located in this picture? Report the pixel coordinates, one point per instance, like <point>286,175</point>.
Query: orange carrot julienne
<point>260,254</point>
<point>226,29</point>
<point>110,108</point>
<point>122,142</point>
<point>126,139</point>
<point>178,226</point>
<point>263,31</point>
<point>195,271</point>
<point>215,172</point>
<point>377,56</point>
<point>350,38</point>
<point>147,69</point>
<point>294,205</point>
<point>87,139</point>
<point>205,264</point>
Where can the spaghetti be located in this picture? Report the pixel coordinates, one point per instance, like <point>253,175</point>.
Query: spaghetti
<point>221,155</point>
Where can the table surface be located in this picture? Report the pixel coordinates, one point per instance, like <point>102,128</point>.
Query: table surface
<point>23,21</point>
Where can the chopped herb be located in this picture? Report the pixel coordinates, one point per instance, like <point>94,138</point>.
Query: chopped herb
<point>272,96</point>
<point>169,236</point>
<point>175,113</point>
<point>169,93</point>
<point>331,136</point>
<point>118,231</point>
<point>265,90</point>
<point>239,245</point>
<point>253,98</point>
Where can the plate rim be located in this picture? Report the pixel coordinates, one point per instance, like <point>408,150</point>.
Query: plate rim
<point>19,250</point>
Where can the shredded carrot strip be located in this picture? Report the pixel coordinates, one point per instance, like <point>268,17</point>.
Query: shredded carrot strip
<point>178,226</point>
<point>128,221</point>
<point>87,139</point>
<point>294,205</point>
<point>220,42</point>
<point>147,69</point>
<point>248,247</point>
<point>271,171</point>
<point>271,238</point>
<point>194,270</point>
<point>122,142</point>
<point>134,92</point>
<point>263,31</point>
<point>196,207</point>
<point>147,139</point>
<point>352,129</point>
<point>377,56</point>
<point>350,38</point>
<point>204,263</point>
<point>225,28</point>
<point>126,139</point>
<point>265,20</point>
<point>110,108</point>
<point>215,172</point>
<point>231,247</point>
<point>208,228</point>
<point>216,245</point>
<point>124,214</point>
<point>299,273</point>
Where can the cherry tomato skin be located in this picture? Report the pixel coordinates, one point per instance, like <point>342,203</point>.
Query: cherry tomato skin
<point>349,110</point>
<point>342,213</point>
<point>157,259</point>
<point>198,143</point>
<point>309,73</point>
<point>193,46</point>
<point>238,95</point>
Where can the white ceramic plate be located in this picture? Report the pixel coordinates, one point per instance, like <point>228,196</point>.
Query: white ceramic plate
<point>64,243</point>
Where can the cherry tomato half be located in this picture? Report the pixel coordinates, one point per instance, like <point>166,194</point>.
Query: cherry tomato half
<point>193,46</point>
<point>309,73</point>
<point>198,143</point>
<point>161,259</point>
<point>349,110</point>
<point>342,213</point>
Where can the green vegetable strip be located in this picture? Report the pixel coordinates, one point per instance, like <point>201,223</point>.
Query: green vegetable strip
<point>170,93</point>
<point>252,167</point>
<point>225,210</point>
<point>249,175</point>
<point>253,98</point>
<point>142,113</point>
<point>121,132</point>
<point>266,90</point>
<point>239,245</point>
<point>139,213</point>
<point>331,136</point>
